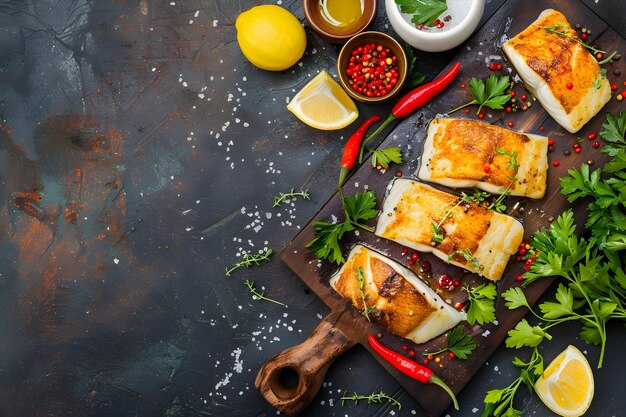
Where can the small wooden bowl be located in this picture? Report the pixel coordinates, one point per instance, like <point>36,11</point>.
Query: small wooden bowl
<point>377,38</point>
<point>334,34</point>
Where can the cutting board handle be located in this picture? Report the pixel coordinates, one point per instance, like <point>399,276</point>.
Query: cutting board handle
<point>307,363</point>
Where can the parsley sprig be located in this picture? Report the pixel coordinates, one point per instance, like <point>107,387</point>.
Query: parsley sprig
<point>493,92</point>
<point>357,209</point>
<point>423,11</point>
<point>607,210</point>
<point>458,343</point>
<point>250,259</point>
<point>481,301</point>
<point>413,76</point>
<point>373,398</point>
<point>594,291</point>
<point>384,157</point>
<point>499,402</point>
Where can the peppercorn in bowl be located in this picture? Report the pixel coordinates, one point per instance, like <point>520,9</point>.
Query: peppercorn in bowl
<point>372,67</point>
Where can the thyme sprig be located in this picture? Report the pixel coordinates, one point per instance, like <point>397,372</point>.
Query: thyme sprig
<point>562,30</point>
<point>373,398</point>
<point>473,260</point>
<point>366,310</point>
<point>291,194</point>
<point>250,259</point>
<point>477,197</point>
<point>497,204</point>
<point>256,295</point>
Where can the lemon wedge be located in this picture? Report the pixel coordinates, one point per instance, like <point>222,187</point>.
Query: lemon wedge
<point>323,104</point>
<point>566,386</point>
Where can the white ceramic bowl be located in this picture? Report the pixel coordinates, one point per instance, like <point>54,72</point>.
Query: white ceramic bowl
<point>438,40</point>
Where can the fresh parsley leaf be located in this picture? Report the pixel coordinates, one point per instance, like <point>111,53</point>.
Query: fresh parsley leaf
<point>515,298</point>
<point>493,92</point>
<point>361,207</point>
<point>413,77</point>
<point>325,244</point>
<point>597,83</point>
<point>437,235</point>
<point>564,307</point>
<point>460,344</point>
<point>481,308</point>
<point>423,11</point>
<point>494,395</point>
<point>614,132</point>
<point>384,157</point>
<point>526,335</point>
<point>499,402</point>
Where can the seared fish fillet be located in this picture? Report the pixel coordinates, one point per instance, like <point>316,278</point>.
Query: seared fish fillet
<point>464,153</point>
<point>549,64</point>
<point>402,302</point>
<point>474,238</point>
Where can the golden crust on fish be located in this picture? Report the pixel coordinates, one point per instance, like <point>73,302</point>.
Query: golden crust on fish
<point>401,302</point>
<point>464,153</point>
<point>549,64</point>
<point>412,210</point>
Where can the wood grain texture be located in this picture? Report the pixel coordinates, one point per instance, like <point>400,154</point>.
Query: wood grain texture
<point>510,19</point>
<point>310,361</point>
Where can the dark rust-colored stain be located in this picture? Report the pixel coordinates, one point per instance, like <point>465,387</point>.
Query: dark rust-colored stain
<point>28,202</point>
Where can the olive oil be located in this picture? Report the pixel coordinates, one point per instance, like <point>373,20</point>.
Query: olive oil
<point>342,14</point>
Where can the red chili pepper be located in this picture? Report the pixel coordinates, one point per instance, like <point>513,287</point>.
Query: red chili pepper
<point>413,100</point>
<point>408,367</point>
<point>351,149</point>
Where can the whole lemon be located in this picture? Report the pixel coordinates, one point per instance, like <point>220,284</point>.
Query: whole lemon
<point>270,37</point>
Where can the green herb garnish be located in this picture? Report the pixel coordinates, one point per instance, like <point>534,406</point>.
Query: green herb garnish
<point>384,157</point>
<point>492,92</point>
<point>413,77</point>
<point>498,204</point>
<point>424,12</point>
<point>250,259</point>
<point>436,227</point>
<point>291,194</point>
<point>499,402</point>
<point>373,398</point>
<point>481,301</point>
<point>460,344</point>
<point>256,295</point>
<point>359,208</point>
<point>562,30</point>
<point>361,279</point>
<point>467,255</point>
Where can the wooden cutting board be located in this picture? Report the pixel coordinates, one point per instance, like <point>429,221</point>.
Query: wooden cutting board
<point>345,326</point>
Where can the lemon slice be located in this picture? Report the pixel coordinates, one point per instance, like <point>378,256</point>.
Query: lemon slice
<point>323,104</point>
<point>566,386</point>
